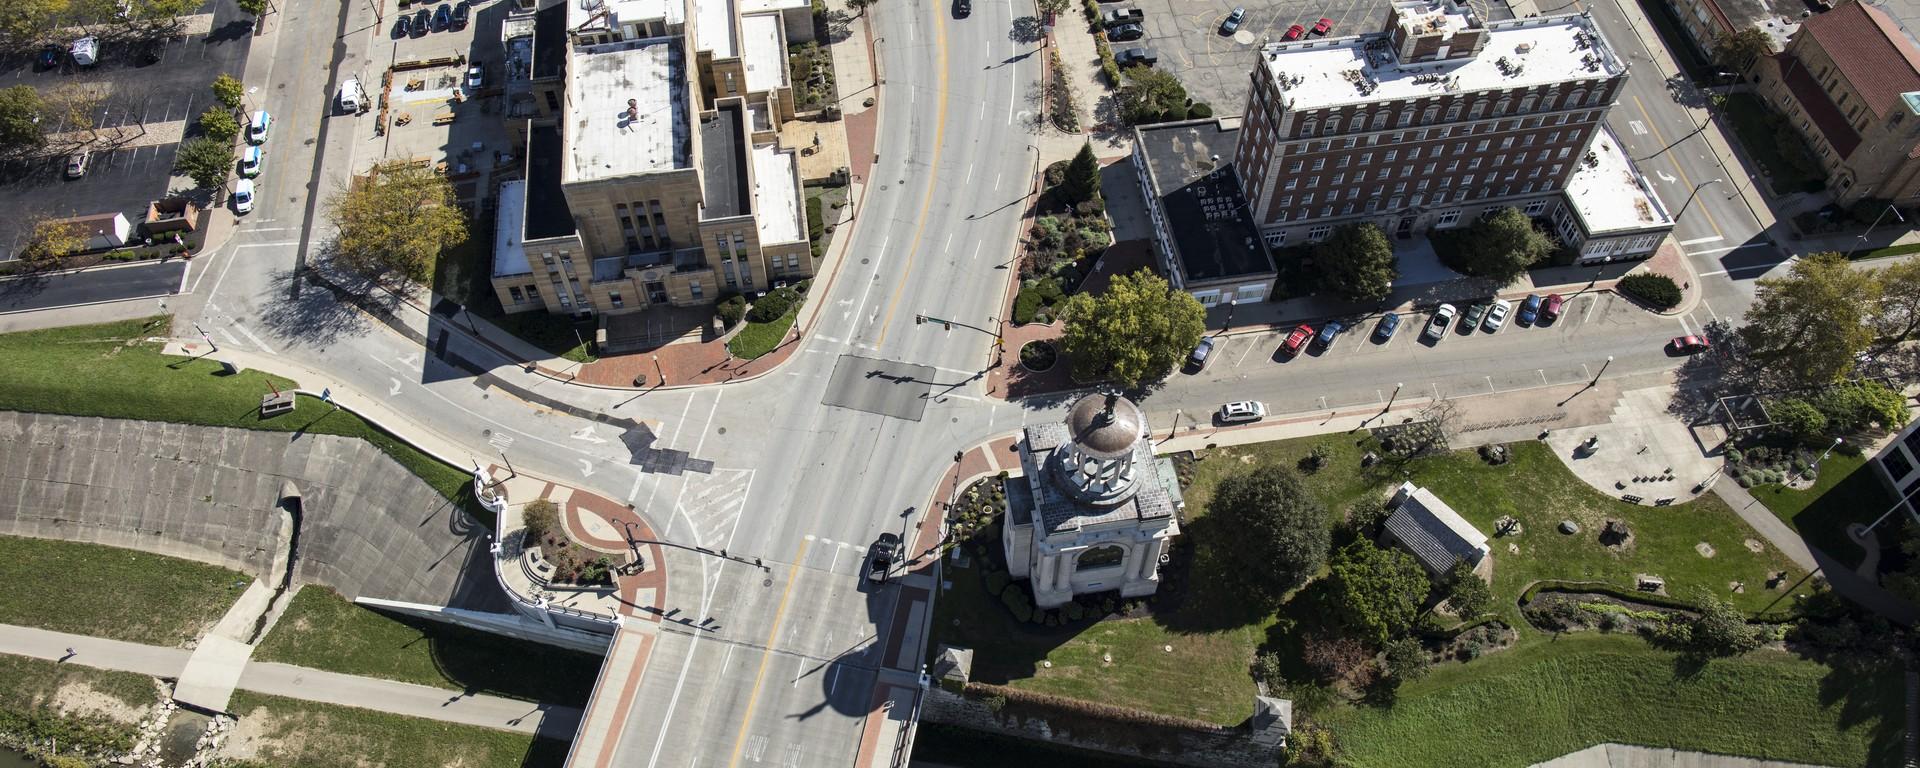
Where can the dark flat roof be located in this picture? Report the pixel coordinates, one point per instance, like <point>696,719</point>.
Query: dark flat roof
<point>550,41</point>
<point>547,212</point>
<point>723,164</point>
<point>1213,234</point>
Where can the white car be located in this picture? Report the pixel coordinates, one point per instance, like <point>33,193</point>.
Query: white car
<point>1497,315</point>
<point>1243,412</point>
<point>476,77</point>
<point>257,127</point>
<point>1437,325</point>
<point>243,196</point>
<point>250,162</point>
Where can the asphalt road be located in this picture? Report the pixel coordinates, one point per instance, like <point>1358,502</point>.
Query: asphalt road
<point>140,280</point>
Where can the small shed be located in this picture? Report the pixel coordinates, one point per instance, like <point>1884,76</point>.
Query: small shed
<point>1436,535</point>
<point>102,230</point>
<point>170,215</point>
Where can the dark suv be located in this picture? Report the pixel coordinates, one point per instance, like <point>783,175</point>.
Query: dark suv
<point>881,558</point>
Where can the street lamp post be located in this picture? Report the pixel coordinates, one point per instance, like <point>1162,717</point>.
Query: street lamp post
<point>1877,219</point>
<point>658,372</point>
<point>1696,193</point>
<point>1390,398</point>
<point>1808,474</point>
<point>1603,371</point>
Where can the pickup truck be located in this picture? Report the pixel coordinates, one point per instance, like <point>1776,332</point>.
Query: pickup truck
<point>1118,16</point>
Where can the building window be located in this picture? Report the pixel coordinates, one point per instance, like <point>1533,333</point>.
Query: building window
<point>1319,232</point>
<point>696,289</point>
<point>1564,151</point>
<point>1448,219</point>
<point>1394,204</point>
<point>1296,166</point>
<point>1390,156</point>
<point>1319,163</point>
<point>1276,239</point>
<point>793,261</point>
<point>1534,208</point>
<point>613,297</point>
<point>1453,112</point>
<point>513,291</point>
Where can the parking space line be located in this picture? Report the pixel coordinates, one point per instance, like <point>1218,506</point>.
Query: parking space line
<point>1251,343</point>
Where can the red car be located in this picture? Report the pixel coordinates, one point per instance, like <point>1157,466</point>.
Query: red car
<point>1297,340</point>
<point>1294,32</point>
<point>1690,345</point>
<point>1322,26</point>
<point>1551,311</point>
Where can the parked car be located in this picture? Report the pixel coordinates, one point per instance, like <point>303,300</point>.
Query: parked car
<point>1530,309</point>
<point>1126,32</point>
<point>1551,311</point>
<point>243,196</point>
<point>49,57</point>
<point>442,18</point>
<point>476,77</point>
<point>1297,340</point>
<point>1243,412</point>
<point>257,127</point>
<point>1200,354</point>
<point>422,23</point>
<point>1294,32</point>
<point>77,164</point>
<point>1144,57</point>
<point>1474,315</point>
<point>1389,323</point>
<point>402,26</point>
<point>1690,345</point>
<point>1437,325</point>
<point>1232,22</point>
<point>881,557</point>
<point>462,12</point>
<point>962,8</point>
<point>1328,332</point>
<point>1322,26</point>
<point>250,162</point>
<point>85,52</point>
<point>1118,16</point>
<point>1497,314</point>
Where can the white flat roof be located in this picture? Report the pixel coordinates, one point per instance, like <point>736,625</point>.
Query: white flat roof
<point>714,32</point>
<point>751,6</point>
<point>602,138</point>
<point>580,12</point>
<point>1611,194</point>
<point>509,257</point>
<point>776,196</point>
<point>766,57</point>
<point>1545,50</point>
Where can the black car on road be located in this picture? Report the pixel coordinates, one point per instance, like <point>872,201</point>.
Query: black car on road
<point>880,559</point>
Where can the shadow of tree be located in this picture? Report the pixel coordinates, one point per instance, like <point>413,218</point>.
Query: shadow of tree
<point>1027,29</point>
<point>311,312</point>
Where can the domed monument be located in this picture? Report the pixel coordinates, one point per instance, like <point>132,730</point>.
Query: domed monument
<point>1095,508</point>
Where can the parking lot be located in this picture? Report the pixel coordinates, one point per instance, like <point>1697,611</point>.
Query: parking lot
<point>142,99</point>
<point>1186,33</point>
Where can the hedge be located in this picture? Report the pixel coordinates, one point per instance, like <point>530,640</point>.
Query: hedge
<point>1109,67</point>
<point>773,306</point>
<point>732,309</point>
<point>1775,616</point>
<point>1658,291</point>
<point>816,224</point>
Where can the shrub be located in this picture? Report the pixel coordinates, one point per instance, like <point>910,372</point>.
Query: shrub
<point>1366,515</point>
<point>731,310</point>
<point>773,305</point>
<point>816,224</point>
<point>1109,67</point>
<point>1798,418</point>
<point>997,581</point>
<point>1316,459</point>
<point>1658,291</point>
<point>1018,604</point>
<point>1199,109</point>
<point>540,517</point>
<point>1076,612</point>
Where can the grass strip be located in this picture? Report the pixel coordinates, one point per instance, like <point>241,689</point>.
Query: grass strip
<point>757,339</point>
<point>110,592</point>
<point>289,733</point>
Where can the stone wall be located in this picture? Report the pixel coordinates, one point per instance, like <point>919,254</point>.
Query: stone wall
<point>369,528</point>
<point>1042,721</point>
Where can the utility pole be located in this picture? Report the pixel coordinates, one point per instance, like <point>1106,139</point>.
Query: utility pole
<point>1696,193</point>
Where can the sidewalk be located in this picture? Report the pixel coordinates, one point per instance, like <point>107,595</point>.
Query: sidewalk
<point>441,704</point>
<point>1844,580</point>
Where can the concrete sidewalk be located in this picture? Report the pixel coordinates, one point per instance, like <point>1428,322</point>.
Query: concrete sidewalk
<point>293,682</point>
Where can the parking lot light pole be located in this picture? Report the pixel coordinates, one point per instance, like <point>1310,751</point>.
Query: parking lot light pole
<point>1390,398</point>
<point>1808,474</point>
<point>1603,371</point>
<point>658,372</point>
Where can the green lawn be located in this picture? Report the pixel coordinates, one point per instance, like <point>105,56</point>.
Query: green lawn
<point>114,593</point>
<point>559,335</point>
<point>756,339</point>
<point>323,630</point>
<point>110,370</point>
<point>1548,698</point>
<point>1754,122</point>
<point>27,703</point>
<point>1846,491</point>
<point>300,734</point>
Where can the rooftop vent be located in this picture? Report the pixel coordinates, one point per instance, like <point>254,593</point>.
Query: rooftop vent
<point>633,109</point>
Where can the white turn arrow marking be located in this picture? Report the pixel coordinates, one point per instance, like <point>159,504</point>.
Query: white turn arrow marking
<point>1664,177</point>
<point>409,360</point>
<point>588,435</point>
<point>395,392</point>
<point>586,467</point>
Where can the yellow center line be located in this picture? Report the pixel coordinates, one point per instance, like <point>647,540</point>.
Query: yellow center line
<point>766,655</point>
<point>933,173</point>
<point>1655,127</point>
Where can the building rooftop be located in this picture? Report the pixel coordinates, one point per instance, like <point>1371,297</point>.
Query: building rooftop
<point>1437,536</point>
<point>713,28</point>
<point>723,164</point>
<point>547,214</point>
<point>1156,495</point>
<point>756,6</point>
<point>1871,52</point>
<point>1818,105</point>
<point>628,109</point>
<point>765,52</point>
<point>509,258</point>
<point>1610,194</point>
<point>610,14</point>
<point>1518,53</point>
<point>550,42</point>
<point>1191,168</point>
<point>776,192</point>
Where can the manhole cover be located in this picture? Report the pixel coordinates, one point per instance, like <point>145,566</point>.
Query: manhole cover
<point>766,582</point>
<point>863,261</point>
<point>883,187</point>
<point>723,430</point>
<point>486,433</point>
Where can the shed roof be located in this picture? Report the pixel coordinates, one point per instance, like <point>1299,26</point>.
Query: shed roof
<point>1436,535</point>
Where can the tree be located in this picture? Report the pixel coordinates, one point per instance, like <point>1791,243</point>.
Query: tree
<point>24,21</point>
<point>229,91</point>
<point>1134,332</point>
<point>1469,595</point>
<point>1280,532</point>
<point>253,7</point>
<point>20,108</point>
<point>1151,95</point>
<point>205,160</point>
<point>539,517</point>
<point>1805,329</point>
<point>52,240</point>
<point>393,224</point>
<point>1053,7</point>
<point>1500,248</point>
<point>1720,629</point>
<point>1800,419</point>
<point>1357,262</point>
<point>1853,406</point>
<point>1897,317</point>
<point>1377,590</point>
<point>218,124</point>
<point>1406,660</point>
<point>1735,51</point>
<point>1082,179</point>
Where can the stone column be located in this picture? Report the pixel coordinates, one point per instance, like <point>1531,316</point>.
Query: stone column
<point>1063,572</point>
<point>1043,570</point>
<point>1150,559</point>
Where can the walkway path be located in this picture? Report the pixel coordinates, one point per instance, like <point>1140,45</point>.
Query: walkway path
<point>1630,756</point>
<point>1842,578</point>
<point>300,683</point>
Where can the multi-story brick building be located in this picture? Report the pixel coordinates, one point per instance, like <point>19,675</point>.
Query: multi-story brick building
<point>653,172</point>
<point>1430,121</point>
<point>1849,81</point>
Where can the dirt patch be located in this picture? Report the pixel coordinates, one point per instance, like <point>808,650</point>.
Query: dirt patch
<point>79,698</point>
<point>261,735</point>
<point>1705,549</point>
<point>1755,546</point>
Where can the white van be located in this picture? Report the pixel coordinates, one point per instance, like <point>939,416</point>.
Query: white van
<point>85,51</point>
<point>257,127</point>
<point>351,97</point>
